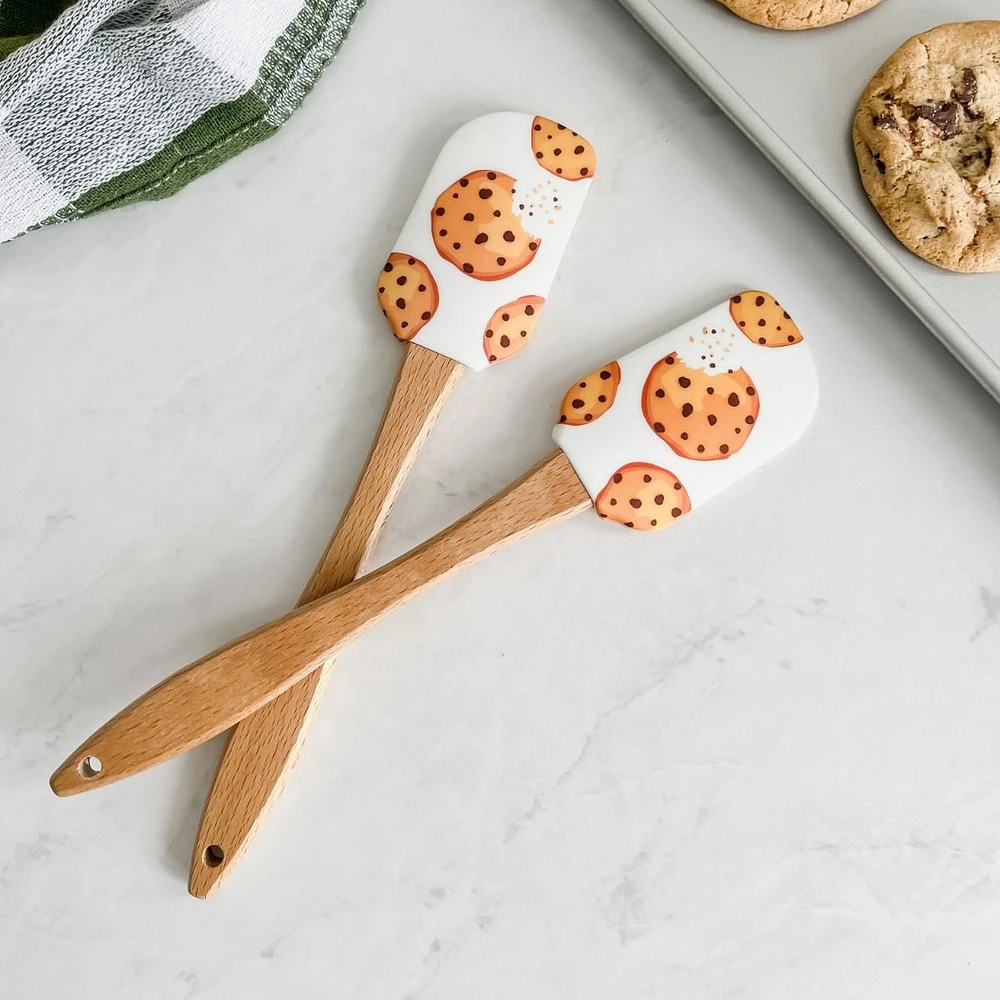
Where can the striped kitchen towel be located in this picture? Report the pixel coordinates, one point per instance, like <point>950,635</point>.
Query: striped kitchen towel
<point>109,102</point>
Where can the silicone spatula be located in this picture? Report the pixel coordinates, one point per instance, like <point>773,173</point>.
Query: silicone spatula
<point>646,440</point>
<point>463,287</point>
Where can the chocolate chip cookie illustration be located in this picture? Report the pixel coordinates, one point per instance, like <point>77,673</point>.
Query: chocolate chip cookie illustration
<point>703,413</point>
<point>510,327</point>
<point>407,294</point>
<point>927,136</point>
<point>644,497</point>
<point>476,228</point>
<point>762,320</point>
<point>591,397</point>
<point>562,151</point>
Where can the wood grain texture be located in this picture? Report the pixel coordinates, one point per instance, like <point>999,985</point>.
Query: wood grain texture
<point>263,748</point>
<point>214,693</point>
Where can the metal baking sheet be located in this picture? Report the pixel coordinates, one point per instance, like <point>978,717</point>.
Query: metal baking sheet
<point>793,94</point>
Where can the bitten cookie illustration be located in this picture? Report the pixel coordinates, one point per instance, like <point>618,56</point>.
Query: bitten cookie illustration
<point>476,228</point>
<point>762,320</point>
<point>407,294</point>
<point>511,327</point>
<point>592,396</point>
<point>704,410</point>
<point>643,496</point>
<point>562,151</point>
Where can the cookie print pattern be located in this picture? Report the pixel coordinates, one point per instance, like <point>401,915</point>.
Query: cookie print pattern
<point>510,327</point>
<point>592,396</point>
<point>762,320</point>
<point>562,151</point>
<point>475,227</point>
<point>643,496</point>
<point>695,409</point>
<point>702,414</point>
<point>407,295</point>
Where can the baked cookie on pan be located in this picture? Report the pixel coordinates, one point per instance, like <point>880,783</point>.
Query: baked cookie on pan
<point>927,138</point>
<point>792,15</point>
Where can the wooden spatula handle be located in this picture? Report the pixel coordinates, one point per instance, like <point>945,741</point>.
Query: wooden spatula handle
<point>216,692</point>
<point>263,748</point>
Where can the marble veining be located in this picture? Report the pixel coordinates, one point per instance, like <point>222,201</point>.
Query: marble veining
<point>752,756</point>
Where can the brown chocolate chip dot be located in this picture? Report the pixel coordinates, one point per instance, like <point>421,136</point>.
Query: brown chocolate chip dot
<point>401,280</point>
<point>481,238</point>
<point>464,182</point>
<point>686,410</point>
<point>733,399</point>
<point>751,391</point>
<point>400,303</point>
<point>469,217</point>
<point>504,340</point>
<point>712,420</point>
<point>617,477</point>
<point>658,427</point>
<point>647,478</point>
<point>509,237</point>
<point>724,448</point>
<point>737,299</point>
<point>529,310</point>
<point>684,382</point>
<point>437,211</point>
<point>635,502</point>
<point>577,404</point>
<point>468,268</point>
<point>501,261</point>
<point>658,499</point>
<point>421,288</point>
<point>425,316</point>
<point>759,301</point>
<point>388,266</point>
<point>675,512</point>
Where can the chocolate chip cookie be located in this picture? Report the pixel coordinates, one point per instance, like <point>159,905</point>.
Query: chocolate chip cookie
<point>792,15</point>
<point>927,139</point>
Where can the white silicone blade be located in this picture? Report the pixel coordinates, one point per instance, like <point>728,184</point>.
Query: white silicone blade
<point>664,429</point>
<point>473,265</point>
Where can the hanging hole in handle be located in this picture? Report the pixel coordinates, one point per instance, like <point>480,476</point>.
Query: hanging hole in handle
<point>90,767</point>
<point>214,856</point>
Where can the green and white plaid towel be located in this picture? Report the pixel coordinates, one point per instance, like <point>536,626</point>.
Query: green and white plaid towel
<point>109,102</point>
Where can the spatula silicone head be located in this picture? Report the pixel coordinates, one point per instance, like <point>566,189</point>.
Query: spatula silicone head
<point>472,268</point>
<point>664,429</point>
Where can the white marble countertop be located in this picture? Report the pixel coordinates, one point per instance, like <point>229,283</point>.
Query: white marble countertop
<point>756,756</point>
